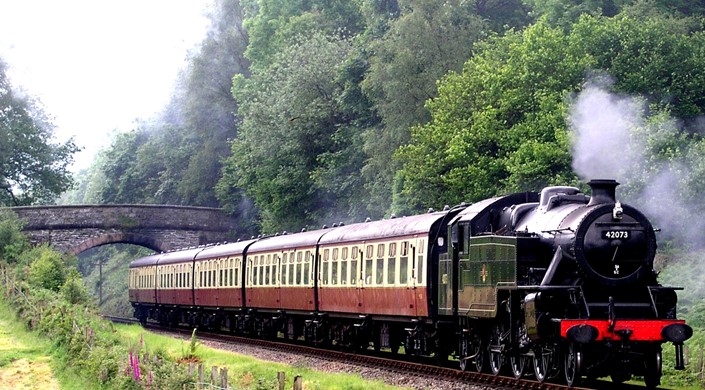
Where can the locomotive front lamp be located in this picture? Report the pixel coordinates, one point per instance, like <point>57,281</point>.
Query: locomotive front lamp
<point>617,211</point>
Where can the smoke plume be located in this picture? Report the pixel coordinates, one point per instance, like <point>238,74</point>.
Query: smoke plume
<point>616,137</point>
<point>602,124</point>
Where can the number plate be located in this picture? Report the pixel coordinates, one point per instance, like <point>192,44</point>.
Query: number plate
<point>616,234</point>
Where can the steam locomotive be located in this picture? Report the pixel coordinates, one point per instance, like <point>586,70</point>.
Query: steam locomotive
<point>557,281</point>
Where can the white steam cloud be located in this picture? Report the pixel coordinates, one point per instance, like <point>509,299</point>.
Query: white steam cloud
<point>614,137</point>
<point>602,124</point>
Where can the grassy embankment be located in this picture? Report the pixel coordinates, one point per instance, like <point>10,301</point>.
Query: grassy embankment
<point>28,361</point>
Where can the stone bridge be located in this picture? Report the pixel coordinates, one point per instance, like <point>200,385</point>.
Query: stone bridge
<point>74,229</point>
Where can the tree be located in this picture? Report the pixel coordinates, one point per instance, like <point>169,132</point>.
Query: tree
<point>566,12</point>
<point>33,168</point>
<point>292,128</point>
<point>12,241</point>
<point>500,125</point>
<point>272,25</point>
<point>428,39</point>
<point>47,268</point>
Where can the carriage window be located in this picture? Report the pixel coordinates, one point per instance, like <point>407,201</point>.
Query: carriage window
<point>353,271</point>
<point>379,277</point>
<point>284,269</point>
<point>343,271</point>
<point>370,251</point>
<point>256,272</point>
<point>403,270</point>
<point>335,254</point>
<point>334,269</point>
<point>344,254</point>
<point>307,266</point>
<point>266,273</point>
<point>324,268</point>
<point>275,276</point>
<point>298,274</point>
<point>326,254</point>
<point>392,249</point>
<point>261,272</point>
<point>420,275</point>
<point>354,252</point>
<point>405,248</point>
<point>391,271</point>
<point>380,250</point>
<point>368,271</point>
<point>291,269</point>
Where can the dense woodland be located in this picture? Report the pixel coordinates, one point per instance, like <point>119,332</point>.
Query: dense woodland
<point>304,113</point>
<point>297,113</point>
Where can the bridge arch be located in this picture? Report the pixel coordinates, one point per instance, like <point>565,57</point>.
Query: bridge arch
<point>119,238</point>
<point>77,228</point>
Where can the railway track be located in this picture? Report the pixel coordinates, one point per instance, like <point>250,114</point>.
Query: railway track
<point>404,367</point>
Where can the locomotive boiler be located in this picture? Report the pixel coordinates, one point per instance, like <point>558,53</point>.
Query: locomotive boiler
<point>556,284</point>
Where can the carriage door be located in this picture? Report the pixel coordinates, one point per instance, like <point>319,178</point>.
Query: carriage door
<point>406,279</point>
<point>276,278</point>
<point>355,275</point>
<point>418,258</point>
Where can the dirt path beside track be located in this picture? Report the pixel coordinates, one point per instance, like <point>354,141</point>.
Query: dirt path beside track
<point>22,365</point>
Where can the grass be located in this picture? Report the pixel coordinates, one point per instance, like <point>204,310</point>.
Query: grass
<point>246,372</point>
<point>25,359</point>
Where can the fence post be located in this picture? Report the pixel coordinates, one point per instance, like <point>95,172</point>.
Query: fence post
<point>200,376</point>
<point>298,382</point>
<point>281,378</point>
<point>700,364</point>
<point>224,378</point>
<point>214,375</point>
<point>686,355</point>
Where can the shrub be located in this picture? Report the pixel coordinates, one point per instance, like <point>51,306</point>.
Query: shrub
<point>73,290</point>
<point>12,241</point>
<point>47,268</point>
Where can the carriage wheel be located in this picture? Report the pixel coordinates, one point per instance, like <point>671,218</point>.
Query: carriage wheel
<point>496,358</point>
<point>518,363</point>
<point>464,352</point>
<point>542,363</point>
<point>652,372</point>
<point>572,364</point>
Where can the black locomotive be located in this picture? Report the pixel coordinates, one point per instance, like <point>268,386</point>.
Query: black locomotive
<point>556,281</point>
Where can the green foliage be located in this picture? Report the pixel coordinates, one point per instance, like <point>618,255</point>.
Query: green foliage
<point>499,125</point>
<point>115,260</point>
<point>12,241</point>
<point>402,76</point>
<point>292,123</point>
<point>191,353</point>
<point>32,168</point>
<point>73,290</point>
<point>272,25</point>
<point>566,12</point>
<point>47,268</point>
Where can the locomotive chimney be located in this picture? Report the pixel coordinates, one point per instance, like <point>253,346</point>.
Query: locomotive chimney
<point>603,191</point>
